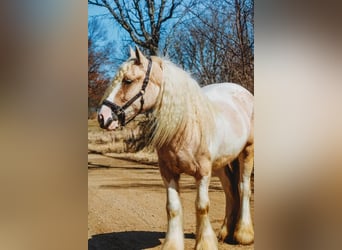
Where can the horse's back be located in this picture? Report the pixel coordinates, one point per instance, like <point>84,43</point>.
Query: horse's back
<point>225,92</point>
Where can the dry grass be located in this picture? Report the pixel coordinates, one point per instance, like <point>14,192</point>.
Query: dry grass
<point>140,156</point>
<point>124,144</point>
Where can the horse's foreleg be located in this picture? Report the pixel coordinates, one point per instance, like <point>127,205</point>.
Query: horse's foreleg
<point>244,232</point>
<point>174,236</point>
<point>205,236</point>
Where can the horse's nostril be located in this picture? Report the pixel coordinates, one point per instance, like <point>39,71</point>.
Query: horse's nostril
<point>100,120</point>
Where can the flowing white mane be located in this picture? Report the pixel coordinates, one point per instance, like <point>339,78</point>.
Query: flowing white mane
<point>181,103</point>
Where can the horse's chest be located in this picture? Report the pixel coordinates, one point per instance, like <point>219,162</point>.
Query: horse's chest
<point>179,162</point>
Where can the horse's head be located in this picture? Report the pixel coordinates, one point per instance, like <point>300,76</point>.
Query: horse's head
<point>135,90</point>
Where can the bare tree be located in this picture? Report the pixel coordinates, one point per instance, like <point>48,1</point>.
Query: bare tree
<point>213,39</point>
<point>142,19</point>
<point>243,41</point>
<point>216,45</point>
<point>99,61</point>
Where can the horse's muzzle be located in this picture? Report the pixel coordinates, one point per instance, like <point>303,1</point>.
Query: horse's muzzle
<point>106,123</point>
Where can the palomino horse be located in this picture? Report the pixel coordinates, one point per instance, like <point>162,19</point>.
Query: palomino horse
<point>197,131</point>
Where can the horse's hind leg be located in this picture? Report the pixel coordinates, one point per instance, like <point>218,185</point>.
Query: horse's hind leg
<point>228,177</point>
<point>244,232</point>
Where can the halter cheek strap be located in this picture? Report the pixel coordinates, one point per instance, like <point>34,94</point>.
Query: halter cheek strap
<point>119,111</point>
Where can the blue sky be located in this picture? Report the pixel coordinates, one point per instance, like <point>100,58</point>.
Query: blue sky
<point>109,25</point>
<point>114,33</point>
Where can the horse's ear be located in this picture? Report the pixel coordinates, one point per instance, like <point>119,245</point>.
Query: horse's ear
<point>139,56</point>
<point>131,52</point>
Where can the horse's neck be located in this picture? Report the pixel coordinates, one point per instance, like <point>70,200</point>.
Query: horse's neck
<point>181,109</point>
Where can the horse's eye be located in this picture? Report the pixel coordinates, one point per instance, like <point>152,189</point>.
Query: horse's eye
<point>127,81</point>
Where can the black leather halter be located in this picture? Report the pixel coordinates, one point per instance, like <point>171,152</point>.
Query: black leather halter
<point>118,112</point>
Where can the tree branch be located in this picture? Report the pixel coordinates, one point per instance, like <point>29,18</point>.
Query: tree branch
<point>96,3</point>
<point>151,11</point>
<point>173,7</point>
<point>141,19</point>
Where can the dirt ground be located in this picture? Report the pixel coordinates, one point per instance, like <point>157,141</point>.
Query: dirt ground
<point>126,206</point>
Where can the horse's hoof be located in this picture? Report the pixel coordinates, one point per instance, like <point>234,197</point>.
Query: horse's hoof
<point>207,243</point>
<point>222,234</point>
<point>171,245</point>
<point>244,234</point>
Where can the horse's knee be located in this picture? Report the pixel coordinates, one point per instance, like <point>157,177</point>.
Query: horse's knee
<point>172,213</point>
<point>173,210</point>
<point>202,210</point>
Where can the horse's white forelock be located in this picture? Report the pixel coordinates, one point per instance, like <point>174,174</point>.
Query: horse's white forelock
<point>180,103</point>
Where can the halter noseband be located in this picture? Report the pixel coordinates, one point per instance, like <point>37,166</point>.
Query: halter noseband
<point>119,111</point>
